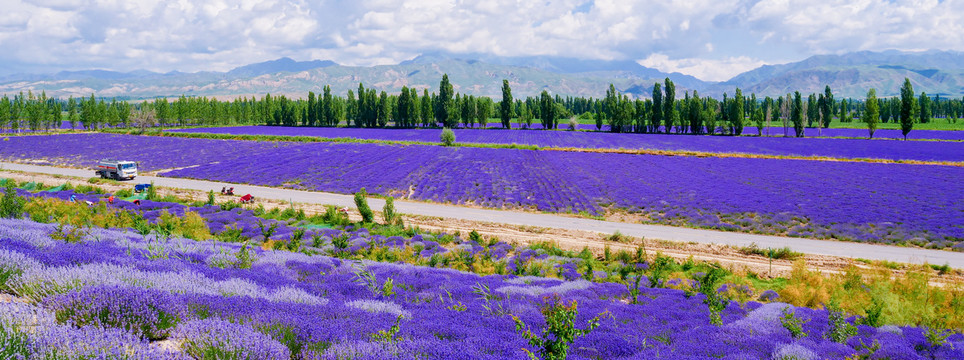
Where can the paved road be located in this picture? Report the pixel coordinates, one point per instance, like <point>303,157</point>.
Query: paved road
<point>810,246</point>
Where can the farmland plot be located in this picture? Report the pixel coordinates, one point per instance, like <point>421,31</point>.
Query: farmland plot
<point>890,203</point>
<point>776,146</point>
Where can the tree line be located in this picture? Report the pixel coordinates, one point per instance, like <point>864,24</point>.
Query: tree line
<point>664,112</point>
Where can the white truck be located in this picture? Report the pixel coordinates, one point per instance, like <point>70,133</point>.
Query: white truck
<point>116,169</point>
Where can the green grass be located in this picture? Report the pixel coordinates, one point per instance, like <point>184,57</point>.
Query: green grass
<point>934,124</point>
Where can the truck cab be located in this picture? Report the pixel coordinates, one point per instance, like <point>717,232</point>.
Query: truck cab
<point>116,169</point>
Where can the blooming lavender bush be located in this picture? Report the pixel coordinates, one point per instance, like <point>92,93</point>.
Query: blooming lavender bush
<point>236,313</point>
<point>144,312</point>
<point>219,339</point>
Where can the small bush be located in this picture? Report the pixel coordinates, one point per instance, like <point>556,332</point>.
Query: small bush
<point>388,211</point>
<point>714,300</point>
<point>148,313</point>
<point>361,201</point>
<point>220,339</point>
<point>334,217</point>
<point>839,330</point>
<point>619,237</point>
<point>447,137</point>
<point>151,192</point>
<point>123,193</point>
<point>792,323</point>
<point>784,253</point>
<point>560,331</point>
<point>11,205</point>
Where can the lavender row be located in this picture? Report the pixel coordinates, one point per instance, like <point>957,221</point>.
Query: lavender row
<point>857,201</point>
<point>838,148</point>
<point>152,153</point>
<point>314,307</point>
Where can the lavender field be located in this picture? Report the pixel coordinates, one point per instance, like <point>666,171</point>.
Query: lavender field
<point>837,148</point>
<point>153,153</point>
<point>889,203</point>
<point>855,201</point>
<point>117,294</point>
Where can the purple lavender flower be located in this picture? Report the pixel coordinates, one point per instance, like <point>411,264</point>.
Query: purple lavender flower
<point>214,338</point>
<point>145,312</point>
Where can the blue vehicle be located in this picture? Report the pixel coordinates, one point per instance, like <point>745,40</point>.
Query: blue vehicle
<point>141,187</point>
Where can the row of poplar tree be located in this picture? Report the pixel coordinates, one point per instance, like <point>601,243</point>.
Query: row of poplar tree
<point>664,112</point>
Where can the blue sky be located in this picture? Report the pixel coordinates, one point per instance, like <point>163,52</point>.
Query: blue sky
<point>710,39</point>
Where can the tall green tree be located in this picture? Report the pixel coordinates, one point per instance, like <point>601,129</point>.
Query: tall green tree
<point>924,103</point>
<point>506,106</point>
<point>361,114</point>
<point>426,106</point>
<point>813,109</point>
<point>327,108</point>
<point>872,115</point>
<point>444,104</point>
<point>547,110</point>
<point>694,113</point>
<point>737,113</point>
<point>600,115</point>
<point>311,111</point>
<point>669,104</point>
<point>483,110</point>
<point>797,113</point>
<point>403,106</point>
<point>612,109</point>
<point>657,116</point>
<point>384,109</point>
<point>826,109</point>
<point>907,102</point>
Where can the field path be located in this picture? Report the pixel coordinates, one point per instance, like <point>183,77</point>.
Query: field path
<point>810,246</point>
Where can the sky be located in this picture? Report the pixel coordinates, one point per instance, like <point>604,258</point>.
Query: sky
<point>713,40</point>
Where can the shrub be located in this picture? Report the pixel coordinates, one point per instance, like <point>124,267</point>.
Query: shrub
<point>388,211</point>
<point>361,201</point>
<point>148,313</point>
<point>714,300</point>
<point>243,258</point>
<point>11,205</point>
<point>792,323</point>
<point>334,217</point>
<point>874,312</point>
<point>123,193</point>
<point>447,137</point>
<point>839,330</point>
<point>151,192</point>
<point>560,331</point>
<point>219,339</point>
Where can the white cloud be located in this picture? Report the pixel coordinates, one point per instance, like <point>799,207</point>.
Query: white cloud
<point>705,38</point>
<point>704,69</point>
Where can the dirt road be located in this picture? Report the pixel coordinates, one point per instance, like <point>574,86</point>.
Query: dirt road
<point>555,221</point>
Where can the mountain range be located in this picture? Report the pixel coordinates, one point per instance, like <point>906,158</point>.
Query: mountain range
<point>848,75</point>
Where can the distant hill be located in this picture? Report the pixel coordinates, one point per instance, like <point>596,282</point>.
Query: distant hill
<point>276,66</point>
<point>528,77</point>
<point>849,75</point>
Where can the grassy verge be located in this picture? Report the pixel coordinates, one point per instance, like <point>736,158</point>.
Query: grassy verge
<point>875,293</point>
